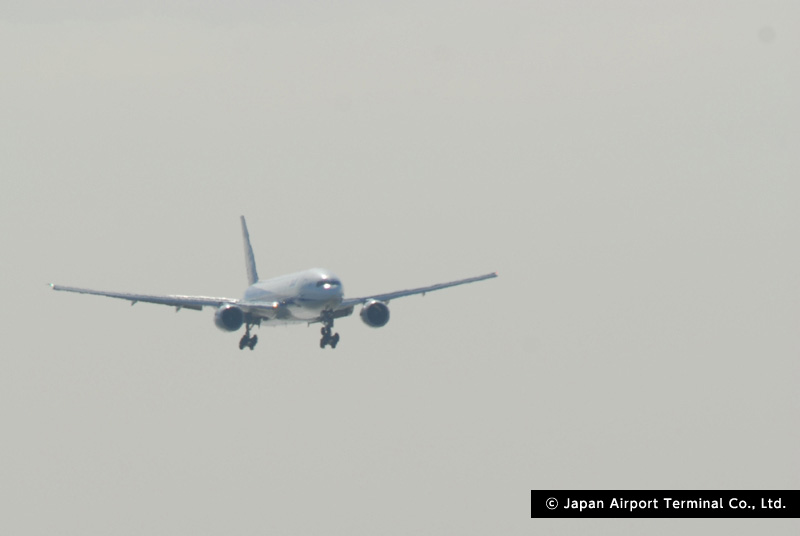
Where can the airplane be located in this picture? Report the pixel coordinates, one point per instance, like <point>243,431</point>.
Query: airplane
<point>311,296</point>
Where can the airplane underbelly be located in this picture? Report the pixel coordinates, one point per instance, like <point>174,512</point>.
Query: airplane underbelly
<point>306,309</point>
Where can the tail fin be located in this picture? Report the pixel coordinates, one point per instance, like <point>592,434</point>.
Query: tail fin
<point>249,260</point>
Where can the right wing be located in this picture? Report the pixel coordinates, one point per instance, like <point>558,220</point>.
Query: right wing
<point>254,310</point>
<point>180,302</point>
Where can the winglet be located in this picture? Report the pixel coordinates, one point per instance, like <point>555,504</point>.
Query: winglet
<point>249,259</point>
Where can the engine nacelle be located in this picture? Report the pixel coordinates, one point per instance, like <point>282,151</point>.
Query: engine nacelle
<point>229,317</point>
<point>375,314</point>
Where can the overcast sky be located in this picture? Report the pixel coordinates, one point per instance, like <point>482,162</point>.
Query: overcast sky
<point>630,170</point>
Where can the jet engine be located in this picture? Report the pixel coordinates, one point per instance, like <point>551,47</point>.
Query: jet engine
<point>375,314</point>
<point>229,317</point>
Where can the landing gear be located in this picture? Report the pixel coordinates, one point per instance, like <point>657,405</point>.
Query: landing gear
<point>327,338</point>
<point>247,340</point>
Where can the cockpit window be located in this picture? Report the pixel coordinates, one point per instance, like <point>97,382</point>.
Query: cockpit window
<point>331,282</point>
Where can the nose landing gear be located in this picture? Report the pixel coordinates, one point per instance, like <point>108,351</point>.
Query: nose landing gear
<point>327,338</point>
<point>247,340</point>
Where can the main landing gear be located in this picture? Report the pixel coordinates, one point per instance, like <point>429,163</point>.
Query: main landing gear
<point>247,340</point>
<point>327,338</point>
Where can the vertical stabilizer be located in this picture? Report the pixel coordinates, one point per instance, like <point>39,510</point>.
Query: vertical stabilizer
<point>249,260</point>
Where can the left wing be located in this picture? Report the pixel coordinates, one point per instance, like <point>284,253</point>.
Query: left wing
<point>179,302</point>
<point>349,303</point>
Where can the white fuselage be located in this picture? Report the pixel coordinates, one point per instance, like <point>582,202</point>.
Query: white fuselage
<point>302,295</point>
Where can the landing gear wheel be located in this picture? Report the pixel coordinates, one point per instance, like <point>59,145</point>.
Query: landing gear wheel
<point>327,321</point>
<point>329,340</point>
<point>246,339</point>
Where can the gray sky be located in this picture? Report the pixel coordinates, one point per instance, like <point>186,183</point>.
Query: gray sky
<point>631,171</point>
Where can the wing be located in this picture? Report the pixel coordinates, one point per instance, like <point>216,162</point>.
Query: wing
<point>349,303</point>
<point>179,302</point>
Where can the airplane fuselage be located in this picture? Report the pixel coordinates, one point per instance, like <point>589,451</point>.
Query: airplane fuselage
<point>302,296</point>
